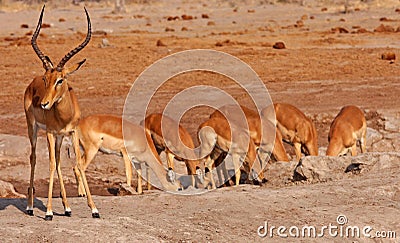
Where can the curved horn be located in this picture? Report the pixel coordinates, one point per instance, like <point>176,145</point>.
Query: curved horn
<point>79,48</point>
<point>39,53</point>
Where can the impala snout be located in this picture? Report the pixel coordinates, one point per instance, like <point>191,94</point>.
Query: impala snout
<point>45,106</point>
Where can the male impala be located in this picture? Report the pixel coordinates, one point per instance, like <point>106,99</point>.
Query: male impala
<point>348,128</point>
<point>104,133</point>
<point>178,147</point>
<point>256,126</point>
<point>51,104</point>
<point>216,136</point>
<point>296,129</point>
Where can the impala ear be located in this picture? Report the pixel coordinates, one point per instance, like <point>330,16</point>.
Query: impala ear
<point>73,68</point>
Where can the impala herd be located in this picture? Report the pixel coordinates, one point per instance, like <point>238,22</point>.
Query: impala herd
<point>51,104</point>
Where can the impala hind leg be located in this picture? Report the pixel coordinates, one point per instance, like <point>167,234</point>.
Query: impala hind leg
<point>236,165</point>
<point>354,149</point>
<point>139,188</point>
<point>67,209</point>
<point>81,169</point>
<point>90,151</point>
<point>208,171</point>
<point>128,167</point>
<point>32,132</point>
<point>297,149</point>
<point>170,162</point>
<point>363,142</point>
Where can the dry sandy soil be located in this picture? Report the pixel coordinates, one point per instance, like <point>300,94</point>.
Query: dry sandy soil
<point>332,59</point>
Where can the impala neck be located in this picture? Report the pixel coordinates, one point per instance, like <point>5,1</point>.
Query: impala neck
<point>65,109</point>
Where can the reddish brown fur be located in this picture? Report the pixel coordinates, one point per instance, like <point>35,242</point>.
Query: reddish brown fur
<point>254,126</point>
<point>348,127</point>
<point>297,129</point>
<point>104,132</point>
<point>153,124</point>
<point>221,136</point>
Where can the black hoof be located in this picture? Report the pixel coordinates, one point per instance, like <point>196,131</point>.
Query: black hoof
<point>48,218</point>
<point>68,213</point>
<point>29,212</point>
<point>81,195</point>
<point>96,215</point>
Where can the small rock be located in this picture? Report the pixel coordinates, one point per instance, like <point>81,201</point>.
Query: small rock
<point>299,23</point>
<point>171,18</point>
<point>7,190</point>
<point>324,9</point>
<point>384,28</point>
<point>168,29</point>
<point>388,56</point>
<point>205,16</point>
<point>24,26</point>
<point>184,29</point>
<point>340,30</point>
<point>99,32</point>
<point>210,23</point>
<point>279,45</point>
<point>362,30</point>
<point>44,25</point>
<point>187,17</point>
<point>61,20</point>
<point>160,43</point>
<point>105,42</point>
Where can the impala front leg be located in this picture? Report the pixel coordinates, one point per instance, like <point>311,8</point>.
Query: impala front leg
<point>67,209</point>
<point>209,163</point>
<point>32,132</point>
<point>81,168</point>
<point>52,167</point>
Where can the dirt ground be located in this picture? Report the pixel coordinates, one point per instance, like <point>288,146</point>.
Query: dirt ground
<point>331,59</point>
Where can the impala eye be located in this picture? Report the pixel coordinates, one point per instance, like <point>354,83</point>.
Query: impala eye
<point>60,81</point>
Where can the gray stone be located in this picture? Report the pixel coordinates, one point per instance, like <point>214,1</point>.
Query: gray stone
<point>373,136</point>
<point>384,145</point>
<point>392,123</point>
<point>7,190</point>
<point>327,168</point>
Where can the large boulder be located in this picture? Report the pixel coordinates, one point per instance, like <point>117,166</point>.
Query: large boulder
<point>7,190</point>
<point>373,136</point>
<point>326,168</point>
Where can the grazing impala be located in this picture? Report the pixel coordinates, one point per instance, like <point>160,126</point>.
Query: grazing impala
<point>104,133</point>
<point>255,127</point>
<point>296,129</point>
<point>216,136</point>
<point>51,104</point>
<point>348,128</point>
<point>178,147</point>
